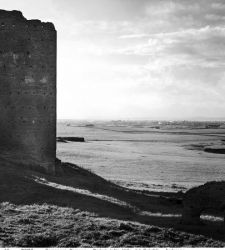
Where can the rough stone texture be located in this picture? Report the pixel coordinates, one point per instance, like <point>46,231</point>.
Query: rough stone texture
<point>210,196</point>
<point>27,91</point>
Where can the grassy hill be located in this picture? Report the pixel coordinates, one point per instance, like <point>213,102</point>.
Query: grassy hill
<point>78,208</point>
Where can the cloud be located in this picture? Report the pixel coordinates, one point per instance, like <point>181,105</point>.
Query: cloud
<point>171,56</point>
<point>192,47</point>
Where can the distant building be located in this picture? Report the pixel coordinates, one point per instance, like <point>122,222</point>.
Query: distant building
<point>28,91</point>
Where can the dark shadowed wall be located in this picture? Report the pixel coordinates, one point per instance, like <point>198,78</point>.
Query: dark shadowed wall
<point>27,90</point>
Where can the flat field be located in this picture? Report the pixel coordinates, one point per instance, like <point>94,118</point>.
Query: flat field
<point>141,156</point>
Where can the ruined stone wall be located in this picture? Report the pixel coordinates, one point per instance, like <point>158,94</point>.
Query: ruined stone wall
<point>27,90</point>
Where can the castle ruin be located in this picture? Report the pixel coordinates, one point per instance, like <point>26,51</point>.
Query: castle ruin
<point>27,91</point>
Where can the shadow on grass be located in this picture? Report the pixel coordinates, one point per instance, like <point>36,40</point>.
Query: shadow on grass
<point>18,186</point>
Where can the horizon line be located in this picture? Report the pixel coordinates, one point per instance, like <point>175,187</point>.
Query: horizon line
<point>199,119</point>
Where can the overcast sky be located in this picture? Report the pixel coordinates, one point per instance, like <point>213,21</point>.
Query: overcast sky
<point>144,59</point>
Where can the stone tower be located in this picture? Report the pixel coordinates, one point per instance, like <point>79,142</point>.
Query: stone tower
<point>27,91</point>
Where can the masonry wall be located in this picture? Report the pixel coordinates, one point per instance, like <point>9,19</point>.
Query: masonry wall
<point>27,91</point>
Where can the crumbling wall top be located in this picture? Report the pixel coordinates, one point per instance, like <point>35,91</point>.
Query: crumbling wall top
<point>18,17</point>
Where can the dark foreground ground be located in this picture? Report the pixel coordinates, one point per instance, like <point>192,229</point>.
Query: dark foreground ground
<point>77,208</point>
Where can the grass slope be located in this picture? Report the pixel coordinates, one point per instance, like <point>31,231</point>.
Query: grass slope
<point>35,214</point>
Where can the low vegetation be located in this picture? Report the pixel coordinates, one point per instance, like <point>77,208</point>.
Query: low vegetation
<point>53,226</point>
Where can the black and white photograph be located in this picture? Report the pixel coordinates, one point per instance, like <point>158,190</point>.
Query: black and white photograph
<point>112,124</point>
